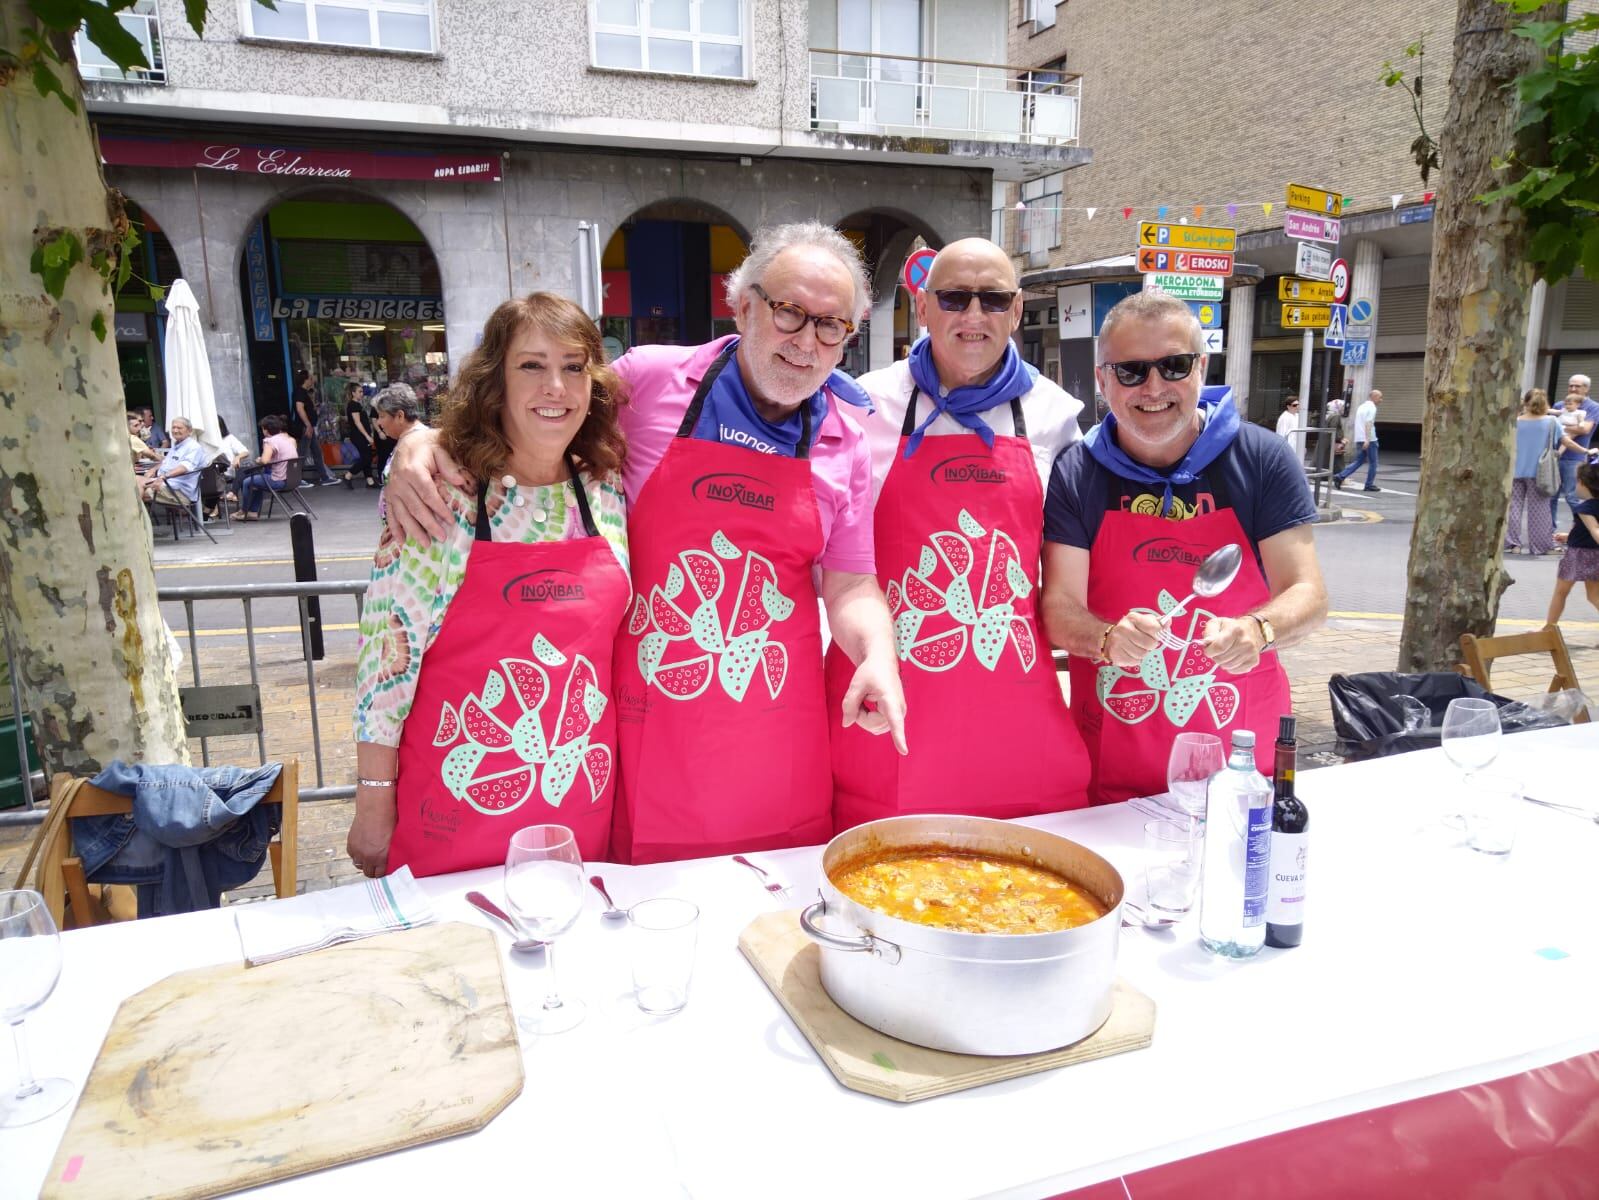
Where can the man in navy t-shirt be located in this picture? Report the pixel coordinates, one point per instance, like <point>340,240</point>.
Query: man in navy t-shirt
<point>1170,477</point>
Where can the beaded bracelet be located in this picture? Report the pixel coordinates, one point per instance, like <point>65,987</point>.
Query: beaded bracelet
<point>1104,640</point>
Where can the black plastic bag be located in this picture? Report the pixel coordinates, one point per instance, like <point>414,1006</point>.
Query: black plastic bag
<point>1383,712</point>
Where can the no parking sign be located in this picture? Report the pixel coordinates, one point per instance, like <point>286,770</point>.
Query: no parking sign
<point>917,267</point>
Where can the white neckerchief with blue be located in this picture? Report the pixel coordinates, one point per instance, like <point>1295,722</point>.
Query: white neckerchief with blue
<point>728,414</point>
<point>1219,429</point>
<point>1012,380</point>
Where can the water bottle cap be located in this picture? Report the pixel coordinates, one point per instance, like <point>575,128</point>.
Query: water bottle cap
<point>1244,739</point>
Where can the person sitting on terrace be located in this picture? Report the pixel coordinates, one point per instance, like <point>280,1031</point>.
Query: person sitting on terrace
<point>176,479</point>
<point>277,451</point>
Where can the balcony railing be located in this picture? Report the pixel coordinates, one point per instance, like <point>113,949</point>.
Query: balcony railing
<point>143,22</point>
<point>896,95</point>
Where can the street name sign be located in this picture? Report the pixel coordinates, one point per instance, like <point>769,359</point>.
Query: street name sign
<point>1306,316</point>
<point>1188,287</point>
<point>1308,291</point>
<point>1356,352</point>
<point>1187,237</point>
<point>1411,216</point>
<point>1314,200</point>
<point>1185,262</point>
<point>1313,229</point>
<point>1312,261</point>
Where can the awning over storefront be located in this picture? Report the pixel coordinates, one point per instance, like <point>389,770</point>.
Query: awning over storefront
<point>267,158</point>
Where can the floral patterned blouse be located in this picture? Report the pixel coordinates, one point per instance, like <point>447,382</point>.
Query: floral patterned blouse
<point>412,586</point>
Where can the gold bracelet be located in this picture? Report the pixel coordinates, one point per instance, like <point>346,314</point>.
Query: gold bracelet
<point>1104,640</point>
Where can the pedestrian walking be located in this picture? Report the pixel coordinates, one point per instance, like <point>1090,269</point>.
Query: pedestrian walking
<point>1537,435</point>
<point>1581,561</point>
<point>361,437</point>
<point>1365,444</point>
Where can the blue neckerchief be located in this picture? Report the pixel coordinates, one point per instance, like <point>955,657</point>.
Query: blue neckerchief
<point>729,413</point>
<point>1220,416</point>
<point>1013,379</point>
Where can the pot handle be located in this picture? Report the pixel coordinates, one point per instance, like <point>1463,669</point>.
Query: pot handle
<point>887,951</point>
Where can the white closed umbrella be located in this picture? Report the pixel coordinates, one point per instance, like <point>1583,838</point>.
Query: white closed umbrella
<point>188,371</point>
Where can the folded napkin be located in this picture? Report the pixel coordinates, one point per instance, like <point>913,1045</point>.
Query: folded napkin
<point>317,920</point>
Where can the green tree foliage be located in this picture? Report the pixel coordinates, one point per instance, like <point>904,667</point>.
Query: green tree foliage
<point>1559,195</point>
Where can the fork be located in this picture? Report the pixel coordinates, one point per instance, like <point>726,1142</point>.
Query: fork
<point>767,881</point>
<point>1569,809</point>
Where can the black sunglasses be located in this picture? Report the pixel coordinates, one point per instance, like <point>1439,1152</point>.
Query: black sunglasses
<point>1172,368</point>
<point>957,300</point>
<point>791,318</point>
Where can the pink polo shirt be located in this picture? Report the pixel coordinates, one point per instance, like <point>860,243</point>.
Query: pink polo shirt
<point>661,381</point>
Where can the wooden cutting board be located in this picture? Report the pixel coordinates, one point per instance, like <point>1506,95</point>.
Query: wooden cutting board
<point>868,1061</point>
<point>230,1077</point>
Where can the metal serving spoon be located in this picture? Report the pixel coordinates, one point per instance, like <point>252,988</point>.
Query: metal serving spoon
<point>519,944</point>
<point>1212,577</point>
<point>1135,916</point>
<point>611,913</point>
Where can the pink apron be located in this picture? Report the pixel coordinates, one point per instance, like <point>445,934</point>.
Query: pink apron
<point>957,530</point>
<point>721,723</point>
<point>512,723</point>
<point>1129,718</point>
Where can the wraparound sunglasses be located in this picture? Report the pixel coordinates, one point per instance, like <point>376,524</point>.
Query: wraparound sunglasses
<point>1173,367</point>
<point>957,300</point>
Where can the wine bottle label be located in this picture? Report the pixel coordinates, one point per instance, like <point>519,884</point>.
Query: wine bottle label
<point>1285,904</point>
<point>1257,863</point>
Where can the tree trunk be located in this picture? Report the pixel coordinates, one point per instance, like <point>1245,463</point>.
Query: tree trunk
<point>77,583</point>
<point>1476,321</point>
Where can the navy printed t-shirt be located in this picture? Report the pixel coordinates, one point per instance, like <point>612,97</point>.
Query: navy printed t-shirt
<point>1258,477</point>
<point>1579,537</point>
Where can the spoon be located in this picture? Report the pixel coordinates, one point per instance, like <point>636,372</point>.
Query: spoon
<point>1136,916</point>
<point>519,944</point>
<point>1212,577</point>
<point>611,913</point>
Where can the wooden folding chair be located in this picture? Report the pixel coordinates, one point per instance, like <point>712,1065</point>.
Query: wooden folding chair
<point>1480,654</point>
<point>60,873</point>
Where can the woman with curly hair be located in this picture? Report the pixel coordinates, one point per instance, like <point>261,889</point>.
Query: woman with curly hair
<point>483,681</point>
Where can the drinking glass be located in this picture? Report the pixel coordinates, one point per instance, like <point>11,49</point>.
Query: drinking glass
<point>1195,757</point>
<point>544,889</point>
<point>1470,741</point>
<point>30,964</point>
<point>1491,818</point>
<point>663,932</point>
<point>1171,865</point>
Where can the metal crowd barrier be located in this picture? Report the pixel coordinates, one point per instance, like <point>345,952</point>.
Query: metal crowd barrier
<point>305,594</point>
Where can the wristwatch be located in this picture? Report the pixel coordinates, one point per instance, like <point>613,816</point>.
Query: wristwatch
<point>1266,631</point>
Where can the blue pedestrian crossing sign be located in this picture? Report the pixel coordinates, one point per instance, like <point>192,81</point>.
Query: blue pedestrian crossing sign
<point>1333,338</point>
<point>1356,352</point>
<point>1360,312</point>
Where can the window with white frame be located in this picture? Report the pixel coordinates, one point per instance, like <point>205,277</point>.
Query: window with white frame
<point>1040,12</point>
<point>1041,220</point>
<point>383,24</point>
<point>680,37</point>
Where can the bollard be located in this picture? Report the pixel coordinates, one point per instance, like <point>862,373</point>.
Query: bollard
<point>305,571</point>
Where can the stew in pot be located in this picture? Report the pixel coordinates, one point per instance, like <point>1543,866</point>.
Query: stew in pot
<point>970,893</point>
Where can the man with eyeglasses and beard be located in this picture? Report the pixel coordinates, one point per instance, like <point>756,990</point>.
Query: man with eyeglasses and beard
<point>963,434</point>
<point>749,498</point>
<point>1172,475</point>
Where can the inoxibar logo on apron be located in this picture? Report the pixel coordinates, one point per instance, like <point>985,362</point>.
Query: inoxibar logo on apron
<point>747,491</point>
<point>967,468</point>
<point>549,586</point>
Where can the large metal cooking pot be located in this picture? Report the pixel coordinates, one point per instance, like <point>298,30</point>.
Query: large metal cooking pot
<point>973,993</point>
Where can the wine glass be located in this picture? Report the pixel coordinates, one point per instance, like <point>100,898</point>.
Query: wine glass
<point>30,964</point>
<point>544,888</point>
<point>1471,741</point>
<point>1195,757</point>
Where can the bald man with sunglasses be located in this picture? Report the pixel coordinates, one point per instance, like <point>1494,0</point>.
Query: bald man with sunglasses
<point>1172,475</point>
<point>962,436</point>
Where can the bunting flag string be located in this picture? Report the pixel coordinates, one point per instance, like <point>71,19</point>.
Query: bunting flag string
<point>1233,207</point>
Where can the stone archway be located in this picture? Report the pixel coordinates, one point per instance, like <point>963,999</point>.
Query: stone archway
<point>663,270</point>
<point>886,238</point>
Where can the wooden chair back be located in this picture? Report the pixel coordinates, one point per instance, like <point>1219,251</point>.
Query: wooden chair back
<point>62,882</point>
<point>1481,653</point>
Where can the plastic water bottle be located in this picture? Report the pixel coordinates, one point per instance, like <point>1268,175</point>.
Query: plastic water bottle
<point>1232,904</point>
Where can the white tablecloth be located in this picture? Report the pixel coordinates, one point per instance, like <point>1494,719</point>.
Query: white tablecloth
<point>1425,967</point>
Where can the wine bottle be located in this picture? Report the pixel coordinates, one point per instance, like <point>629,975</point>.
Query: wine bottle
<point>1290,825</point>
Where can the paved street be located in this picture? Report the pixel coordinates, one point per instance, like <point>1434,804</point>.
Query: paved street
<point>1363,555</point>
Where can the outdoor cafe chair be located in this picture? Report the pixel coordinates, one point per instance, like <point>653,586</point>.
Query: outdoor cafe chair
<point>176,515</point>
<point>1480,654</point>
<point>60,878</point>
<point>290,493</point>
